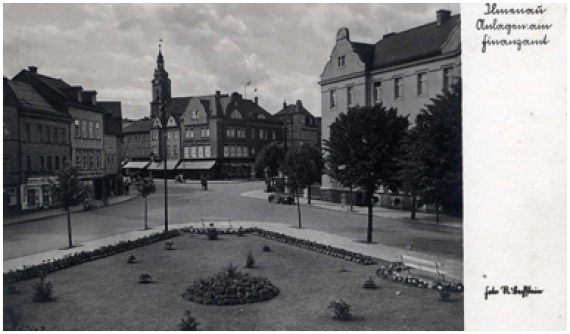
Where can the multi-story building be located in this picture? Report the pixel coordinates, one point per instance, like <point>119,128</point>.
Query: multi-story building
<point>113,132</point>
<point>216,135</point>
<point>86,133</point>
<point>403,70</point>
<point>300,126</point>
<point>41,135</point>
<point>135,150</point>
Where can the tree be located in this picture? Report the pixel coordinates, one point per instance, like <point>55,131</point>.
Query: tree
<point>269,160</point>
<point>145,187</point>
<point>439,134</point>
<point>68,190</point>
<point>363,147</point>
<point>303,166</point>
<point>411,168</point>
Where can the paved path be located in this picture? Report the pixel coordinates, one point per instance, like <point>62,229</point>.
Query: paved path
<point>421,217</point>
<point>454,269</point>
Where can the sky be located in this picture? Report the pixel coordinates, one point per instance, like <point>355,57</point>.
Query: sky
<point>111,48</point>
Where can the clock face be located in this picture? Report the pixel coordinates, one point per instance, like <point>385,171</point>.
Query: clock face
<point>156,81</point>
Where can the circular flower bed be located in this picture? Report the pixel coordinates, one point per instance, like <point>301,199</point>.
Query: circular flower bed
<point>231,288</point>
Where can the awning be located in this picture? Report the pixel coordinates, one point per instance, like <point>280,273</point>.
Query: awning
<point>136,164</point>
<point>197,165</point>
<point>170,165</point>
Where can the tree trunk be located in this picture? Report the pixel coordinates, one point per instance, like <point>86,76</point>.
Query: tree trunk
<point>309,194</point>
<point>298,207</point>
<point>350,198</point>
<point>145,212</point>
<point>413,206</point>
<point>69,227</point>
<point>437,213</point>
<point>370,203</point>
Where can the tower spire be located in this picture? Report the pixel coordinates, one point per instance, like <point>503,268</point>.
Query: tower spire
<point>160,57</point>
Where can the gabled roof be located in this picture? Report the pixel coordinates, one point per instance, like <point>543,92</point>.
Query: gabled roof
<point>416,43</point>
<point>55,83</point>
<point>113,120</point>
<point>28,96</point>
<point>365,52</point>
<point>142,125</point>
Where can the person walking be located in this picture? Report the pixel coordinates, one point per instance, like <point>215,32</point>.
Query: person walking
<point>204,182</point>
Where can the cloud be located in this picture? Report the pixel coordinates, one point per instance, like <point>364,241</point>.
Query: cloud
<point>112,48</point>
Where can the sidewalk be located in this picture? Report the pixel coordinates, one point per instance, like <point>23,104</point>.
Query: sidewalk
<point>452,268</point>
<point>38,215</point>
<point>421,217</point>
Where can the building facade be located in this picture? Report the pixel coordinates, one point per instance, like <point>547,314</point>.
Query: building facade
<point>113,132</point>
<point>300,126</point>
<point>403,70</point>
<point>41,134</point>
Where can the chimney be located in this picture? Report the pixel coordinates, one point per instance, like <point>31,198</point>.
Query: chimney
<point>256,100</point>
<point>218,93</point>
<point>33,69</point>
<point>442,15</point>
<point>299,104</point>
<point>284,104</point>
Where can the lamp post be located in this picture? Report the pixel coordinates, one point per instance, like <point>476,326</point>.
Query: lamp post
<point>164,120</point>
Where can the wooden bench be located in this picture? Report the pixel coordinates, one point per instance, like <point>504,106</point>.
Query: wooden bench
<point>218,223</point>
<point>423,265</point>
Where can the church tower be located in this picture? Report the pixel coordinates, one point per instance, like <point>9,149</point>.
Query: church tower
<point>161,92</point>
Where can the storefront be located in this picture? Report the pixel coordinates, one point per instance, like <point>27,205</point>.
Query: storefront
<point>237,169</point>
<point>195,169</point>
<point>36,193</point>
<point>157,168</point>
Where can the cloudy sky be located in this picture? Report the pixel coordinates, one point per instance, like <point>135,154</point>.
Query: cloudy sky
<point>112,48</point>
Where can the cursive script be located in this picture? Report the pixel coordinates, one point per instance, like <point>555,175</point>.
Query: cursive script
<point>523,291</point>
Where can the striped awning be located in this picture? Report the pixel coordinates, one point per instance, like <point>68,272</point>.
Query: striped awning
<point>170,165</point>
<point>197,165</point>
<point>136,164</point>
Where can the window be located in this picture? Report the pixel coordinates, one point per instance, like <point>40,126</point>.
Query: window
<point>398,88</point>
<point>84,129</point>
<point>422,84</point>
<point>91,130</point>
<point>57,162</point>
<point>27,132</point>
<point>244,150</point>
<point>168,135</point>
<point>447,78</point>
<point>11,195</point>
<point>226,151</point>
<point>274,135</point>
<point>175,135</point>
<point>253,151</point>
<point>261,116</point>
<point>62,136</point>
<point>49,163</point>
<point>232,151</point>
<point>195,115</point>
<point>7,164</point>
<point>48,134</point>
<point>378,91</point>
<point>175,153</point>
<point>190,133</point>
<point>207,151</point>
<point>98,160</point>
<point>341,61</point>
<point>91,160</point>
<point>40,130</point>
<point>207,133</point>
<point>6,129</point>
<point>332,99</point>
<point>186,152</point>
<point>193,151</point>
<point>54,139</point>
<point>97,129</point>
<point>42,163</point>
<point>200,151</point>
<point>154,134</point>
<point>78,159</point>
<point>235,115</point>
<point>28,162</point>
<point>77,130</point>
<point>349,96</point>
<point>63,161</point>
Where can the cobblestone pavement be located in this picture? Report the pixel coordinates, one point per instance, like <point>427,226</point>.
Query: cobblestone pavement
<point>188,203</point>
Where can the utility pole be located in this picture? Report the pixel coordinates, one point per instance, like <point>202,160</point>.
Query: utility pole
<point>164,121</point>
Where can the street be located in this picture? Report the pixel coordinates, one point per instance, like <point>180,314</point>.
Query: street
<point>188,203</point>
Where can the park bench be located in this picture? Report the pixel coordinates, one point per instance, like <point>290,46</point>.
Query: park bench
<point>429,266</point>
<point>224,224</point>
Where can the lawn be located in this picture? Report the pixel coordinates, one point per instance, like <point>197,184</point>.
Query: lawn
<point>105,294</point>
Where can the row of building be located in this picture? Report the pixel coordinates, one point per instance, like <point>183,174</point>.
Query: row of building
<point>216,136</point>
<point>49,123</point>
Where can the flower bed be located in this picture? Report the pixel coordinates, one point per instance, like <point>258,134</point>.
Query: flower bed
<point>234,288</point>
<point>34,271</point>
<point>317,247</point>
<point>395,272</point>
<point>229,230</point>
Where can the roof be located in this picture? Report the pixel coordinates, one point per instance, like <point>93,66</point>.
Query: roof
<point>364,51</point>
<point>113,121</point>
<point>114,107</point>
<point>143,125</point>
<point>292,109</point>
<point>28,96</point>
<point>416,43</point>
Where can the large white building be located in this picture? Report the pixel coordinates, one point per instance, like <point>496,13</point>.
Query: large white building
<point>403,70</point>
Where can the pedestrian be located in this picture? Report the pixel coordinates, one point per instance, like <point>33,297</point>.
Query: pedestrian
<point>204,183</point>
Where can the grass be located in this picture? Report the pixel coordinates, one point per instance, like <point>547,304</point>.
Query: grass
<point>105,294</point>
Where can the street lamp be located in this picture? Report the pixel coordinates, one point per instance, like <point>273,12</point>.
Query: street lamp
<point>163,116</point>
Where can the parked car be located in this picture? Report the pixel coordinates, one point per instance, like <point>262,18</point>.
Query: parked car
<point>281,198</point>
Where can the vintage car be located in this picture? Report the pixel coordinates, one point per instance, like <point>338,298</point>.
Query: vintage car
<point>281,198</point>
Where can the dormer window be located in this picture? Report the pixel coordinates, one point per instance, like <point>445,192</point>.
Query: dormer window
<point>235,115</point>
<point>261,116</point>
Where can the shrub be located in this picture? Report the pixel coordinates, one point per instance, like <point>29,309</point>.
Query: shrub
<point>132,259</point>
<point>145,279</point>
<point>266,248</point>
<point>341,310</point>
<point>369,284</point>
<point>168,245</point>
<point>42,290</point>
<point>231,271</point>
<point>249,261</point>
<point>11,318</point>
<point>188,323</point>
<point>9,287</point>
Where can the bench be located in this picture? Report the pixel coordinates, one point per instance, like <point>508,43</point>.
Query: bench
<point>218,223</point>
<point>423,265</point>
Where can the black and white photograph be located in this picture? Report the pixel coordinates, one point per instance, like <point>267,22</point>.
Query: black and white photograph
<point>245,166</point>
